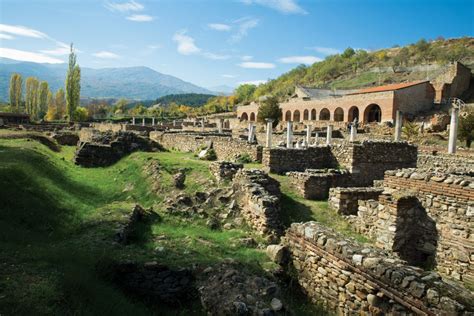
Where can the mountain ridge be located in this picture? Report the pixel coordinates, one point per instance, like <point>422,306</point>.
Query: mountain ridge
<point>137,82</point>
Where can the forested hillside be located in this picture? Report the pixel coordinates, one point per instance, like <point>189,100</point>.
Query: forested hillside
<point>189,99</point>
<point>360,68</point>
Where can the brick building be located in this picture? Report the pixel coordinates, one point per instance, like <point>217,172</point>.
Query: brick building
<point>376,104</point>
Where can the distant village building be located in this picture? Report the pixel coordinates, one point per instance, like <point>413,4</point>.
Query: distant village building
<point>368,105</point>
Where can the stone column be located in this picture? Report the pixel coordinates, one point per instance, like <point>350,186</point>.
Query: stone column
<point>308,134</point>
<point>249,134</point>
<point>398,126</point>
<point>174,123</point>
<point>143,121</point>
<point>289,134</point>
<point>133,120</point>
<point>269,132</point>
<point>353,133</point>
<point>220,124</point>
<point>453,130</point>
<point>329,135</point>
<point>153,121</point>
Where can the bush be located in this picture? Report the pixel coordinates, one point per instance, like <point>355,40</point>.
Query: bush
<point>269,109</point>
<point>466,127</point>
<point>244,158</point>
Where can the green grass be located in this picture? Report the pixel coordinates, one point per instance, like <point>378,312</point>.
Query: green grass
<point>57,221</point>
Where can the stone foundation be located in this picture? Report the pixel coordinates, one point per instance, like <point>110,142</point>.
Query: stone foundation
<point>226,147</point>
<point>315,184</point>
<point>224,170</point>
<point>258,197</point>
<point>425,217</point>
<point>345,201</point>
<point>356,280</point>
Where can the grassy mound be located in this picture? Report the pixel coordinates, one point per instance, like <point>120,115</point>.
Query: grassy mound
<point>57,222</point>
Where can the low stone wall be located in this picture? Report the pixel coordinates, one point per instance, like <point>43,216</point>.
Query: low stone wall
<point>425,217</point>
<point>226,147</point>
<point>104,149</point>
<point>281,160</point>
<point>367,161</point>
<point>353,279</point>
<point>258,197</point>
<point>345,201</point>
<point>450,163</point>
<point>315,184</point>
<point>224,170</point>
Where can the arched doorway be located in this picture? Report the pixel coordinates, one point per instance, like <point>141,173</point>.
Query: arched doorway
<point>296,116</point>
<point>313,114</point>
<point>288,116</point>
<point>244,117</point>
<point>339,115</point>
<point>305,115</point>
<point>373,113</point>
<point>324,115</point>
<point>353,114</point>
<point>252,117</point>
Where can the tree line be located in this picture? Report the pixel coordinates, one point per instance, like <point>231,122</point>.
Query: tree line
<point>39,101</point>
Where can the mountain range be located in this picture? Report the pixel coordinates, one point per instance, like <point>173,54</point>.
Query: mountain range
<point>138,83</point>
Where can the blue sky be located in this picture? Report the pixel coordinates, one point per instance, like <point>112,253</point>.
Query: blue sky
<point>219,42</point>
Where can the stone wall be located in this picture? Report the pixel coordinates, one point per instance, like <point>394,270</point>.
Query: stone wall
<point>345,201</point>
<point>226,147</point>
<point>281,160</point>
<point>450,163</point>
<point>315,184</point>
<point>425,217</point>
<point>224,170</point>
<point>353,279</point>
<point>258,197</point>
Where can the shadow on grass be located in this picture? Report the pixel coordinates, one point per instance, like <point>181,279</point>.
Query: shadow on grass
<point>293,211</point>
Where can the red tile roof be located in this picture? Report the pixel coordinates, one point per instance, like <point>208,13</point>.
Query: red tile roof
<point>389,87</point>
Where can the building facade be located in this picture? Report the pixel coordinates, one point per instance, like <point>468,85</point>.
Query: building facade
<point>376,104</point>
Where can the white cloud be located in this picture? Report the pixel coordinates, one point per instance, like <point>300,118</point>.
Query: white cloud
<point>124,7</point>
<point>256,65</point>
<point>228,76</point>
<point>140,18</point>
<point>254,82</point>
<point>21,31</point>
<point>220,27</point>
<point>325,50</point>
<point>308,60</point>
<point>246,58</point>
<point>244,25</point>
<point>61,50</point>
<point>185,43</point>
<point>28,56</point>
<point>215,56</point>
<point>5,36</point>
<point>283,6</point>
<point>106,55</point>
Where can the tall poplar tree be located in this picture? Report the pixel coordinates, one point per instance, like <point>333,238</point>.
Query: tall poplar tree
<point>73,85</point>
<point>60,104</point>
<point>52,112</point>
<point>42,99</point>
<point>31,97</point>
<point>15,92</point>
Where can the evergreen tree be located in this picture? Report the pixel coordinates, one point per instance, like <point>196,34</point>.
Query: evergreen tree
<point>73,86</point>
<point>42,99</point>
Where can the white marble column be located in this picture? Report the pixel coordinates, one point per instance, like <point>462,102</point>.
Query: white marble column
<point>143,121</point>
<point>453,130</point>
<point>133,120</point>
<point>269,132</point>
<point>329,135</point>
<point>153,121</point>
<point>353,133</point>
<point>220,124</point>
<point>289,134</point>
<point>309,129</point>
<point>398,126</point>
